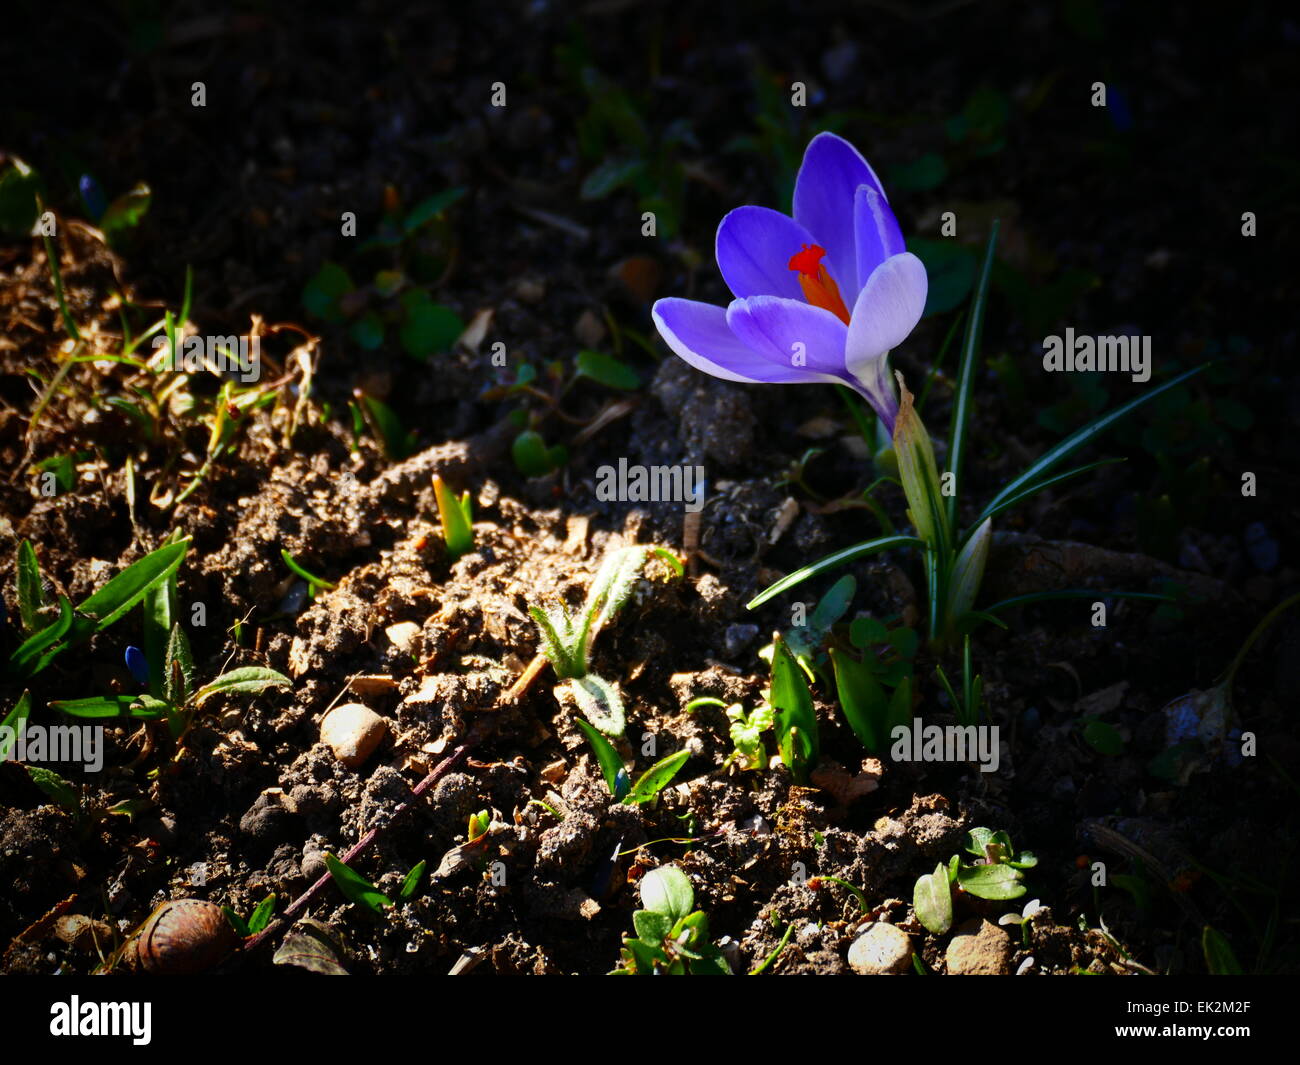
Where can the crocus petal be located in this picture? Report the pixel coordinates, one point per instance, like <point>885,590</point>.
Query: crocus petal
<point>824,192</point>
<point>876,231</point>
<point>886,311</point>
<point>754,247</point>
<point>698,333</point>
<point>793,334</point>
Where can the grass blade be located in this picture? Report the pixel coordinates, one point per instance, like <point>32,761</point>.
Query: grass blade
<point>131,585</point>
<point>656,778</point>
<point>11,728</point>
<point>29,586</point>
<point>355,887</point>
<point>610,763</point>
<point>839,558</point>
<point>45,638</point>
<point>966,373</point>
<point>96,706</point>
<point>992,511</point>
<point>1086,435</point>
<point>1073,593</point>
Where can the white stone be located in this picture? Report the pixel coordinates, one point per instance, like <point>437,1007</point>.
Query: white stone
<point>352,731</point>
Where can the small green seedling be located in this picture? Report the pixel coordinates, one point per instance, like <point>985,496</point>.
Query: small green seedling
<point>997,874</point>
<point>178,700</point>
<point>648,785</point>
<point>48,639</point>
<point>805,641</point>
<point>672,937</point>
<point>357,889</point>
<point>457,516</point>
<point>746,731</point>
<point>315,585</point>
<point>567,640</point>
<point>870,707</point>
<point>257,920</point>
<point>794,720</point>
<point>479,823</point>
<point>1022,919</point>
<point>969,703</point>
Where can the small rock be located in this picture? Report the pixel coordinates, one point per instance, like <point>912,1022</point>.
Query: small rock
<point>308,799</point>
<point>530,290</point>
<point>82,932</point>
<point>983,950</point>
<point>403,635</point>
<point>590,330</point>
<point>268,820</point>
<point>882,950</point>
<point>1261,547</point>
<point>737,638</point>
<point>352,731</point>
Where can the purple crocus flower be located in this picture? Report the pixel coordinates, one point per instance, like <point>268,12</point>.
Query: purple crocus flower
<point>820,297</point>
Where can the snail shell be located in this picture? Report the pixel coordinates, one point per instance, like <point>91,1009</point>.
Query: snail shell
<point>183,937</point>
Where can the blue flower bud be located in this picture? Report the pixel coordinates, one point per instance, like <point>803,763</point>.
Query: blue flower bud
<point>622,785</point>
<point>137,664</point>
<point>93,197</point>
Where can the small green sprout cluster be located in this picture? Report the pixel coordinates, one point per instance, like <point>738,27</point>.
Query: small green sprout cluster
<point>997,874</point>
<point>357,889</point>
<point>46,639</point>
<point>787,710</point>
<point>166,665</point>
<point>256,921</point>
<point>648,785</point>
<point>457,514</point>
<point>746,731</point>
<point>567,640</point>
<point>672,937</point>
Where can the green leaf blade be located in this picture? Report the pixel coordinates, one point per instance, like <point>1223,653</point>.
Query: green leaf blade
<point>30,599</point>
<point>656,778</point>
<point>247,679</point>
<point>831,561</point>
<point>355,887</point>
<point>966,372</point>
<point>1086,435</point>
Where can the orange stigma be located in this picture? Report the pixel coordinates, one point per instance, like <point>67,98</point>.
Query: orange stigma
<point>819,288</point>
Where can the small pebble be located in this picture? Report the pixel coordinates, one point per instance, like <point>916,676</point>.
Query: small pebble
<point>589,330</point>
<point>882,950</point>
<point>1261,547</point>
<point>402,635</point>
<point>737,638</point>
<point>352,731</point>
<point>984,950</point>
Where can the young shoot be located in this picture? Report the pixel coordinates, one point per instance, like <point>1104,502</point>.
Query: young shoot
<point>996,874</point>
<point>672,937</point>
<point>566,640</point>
<point>648,785</point>
<point>457,515</point>
<point>175,697</point>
